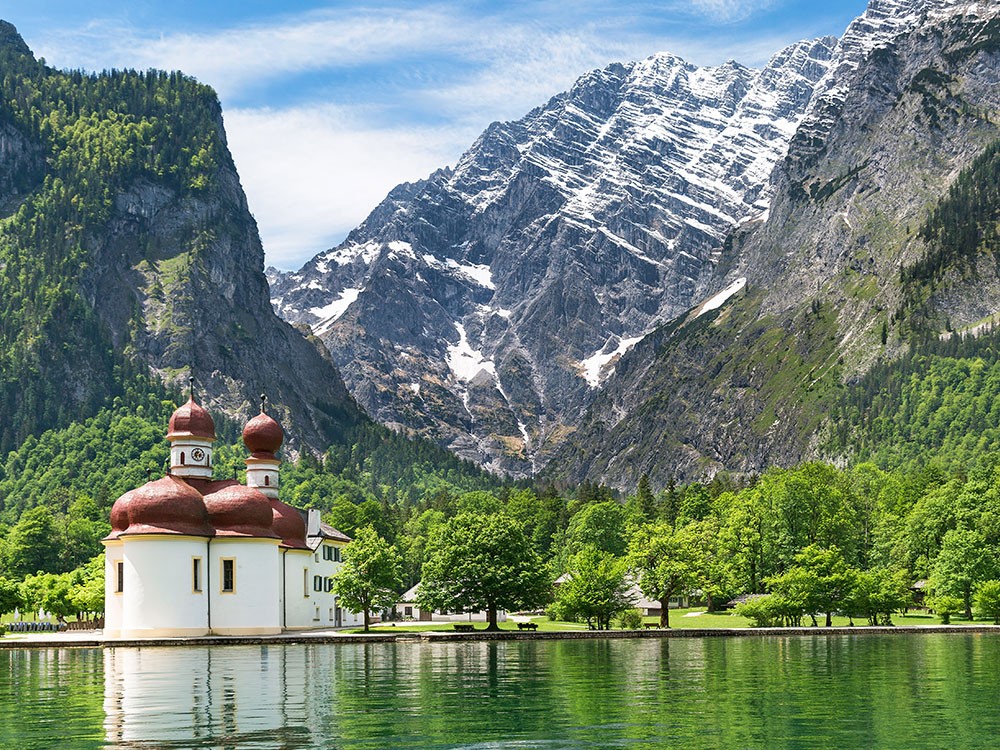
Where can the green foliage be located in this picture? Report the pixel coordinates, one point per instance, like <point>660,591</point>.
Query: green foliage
<point>629,619</point>
<point>49,592</point>
<point>946,607</point>
<point>370,576</point>
<point>876,594</point>
<point>595,589</point>
<point>666,562</point>
<point>819,581</point>
<point>963,561</point>
<point>988,600</point>
<point>482,563</point>
<point>27,548</point>
<point>86,593</point>
<point>940,402</point>
<point>760,610</point>
<point>600,525</point>
<point>10,596</point>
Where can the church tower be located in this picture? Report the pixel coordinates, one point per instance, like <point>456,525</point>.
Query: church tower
<point>191,435</point>
<point>263,438</point>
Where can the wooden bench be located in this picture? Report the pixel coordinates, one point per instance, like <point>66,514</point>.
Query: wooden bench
<point>527,626</point>
<point>464,627</point>
<point>649,625</point>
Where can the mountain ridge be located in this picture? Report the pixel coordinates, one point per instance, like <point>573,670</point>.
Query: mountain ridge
<point>483,306</point>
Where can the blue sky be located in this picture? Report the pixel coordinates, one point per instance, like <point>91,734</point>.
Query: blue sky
<point>328,105</point>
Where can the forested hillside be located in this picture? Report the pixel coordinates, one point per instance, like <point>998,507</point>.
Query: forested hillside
<point>128,252</point>
<point>84,137</point>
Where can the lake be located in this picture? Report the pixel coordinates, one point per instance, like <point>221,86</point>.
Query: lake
<point>912,691</point>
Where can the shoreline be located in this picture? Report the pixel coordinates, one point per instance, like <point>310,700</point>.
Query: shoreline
<point>95,640</point>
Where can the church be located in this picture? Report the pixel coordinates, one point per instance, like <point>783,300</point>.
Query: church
<point>189,555</point>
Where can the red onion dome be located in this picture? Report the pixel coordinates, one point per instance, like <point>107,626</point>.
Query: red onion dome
<point>263,435</point>
<point>167,506</point>
<point>236,510</point>
<point>289,524</point>
<point>191,420</point>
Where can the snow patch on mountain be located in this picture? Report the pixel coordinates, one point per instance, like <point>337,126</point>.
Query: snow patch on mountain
<point>465,362</point>
<point>596,368</point>
<point>330,313</point>
<point>716,301</point>
<point>477,273</point>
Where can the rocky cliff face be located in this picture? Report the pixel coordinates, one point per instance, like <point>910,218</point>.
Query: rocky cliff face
<point>914,99</point>
<point>486,305</point>
<point>178,281</point>
<point>127,247</point>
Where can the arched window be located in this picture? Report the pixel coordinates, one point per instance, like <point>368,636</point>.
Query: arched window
<point>182,458</point>
<point>267,480</point>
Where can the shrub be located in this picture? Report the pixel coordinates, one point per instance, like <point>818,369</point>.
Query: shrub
<point>629,619</point>
<point>760,610</point>
<point>946,607</point>
<point>988,600</point>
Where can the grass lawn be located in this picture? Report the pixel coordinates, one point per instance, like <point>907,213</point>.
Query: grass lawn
<point>679,619</point>
<point>543,623</point>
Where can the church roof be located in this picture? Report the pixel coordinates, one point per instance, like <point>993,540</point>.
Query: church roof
<point>263,436</point>
<point>193,506</point>
<point>191,420</point>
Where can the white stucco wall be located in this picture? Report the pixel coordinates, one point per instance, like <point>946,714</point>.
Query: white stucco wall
<point>252,608</point>
<point>112,599</point>
<point>300,599</point>
<point>158,597</point>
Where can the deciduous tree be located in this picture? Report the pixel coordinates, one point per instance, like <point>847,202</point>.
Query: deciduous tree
<point>595,588</point>
<point>370,576</point>
<point>485,563</point>
<point>665,561</point>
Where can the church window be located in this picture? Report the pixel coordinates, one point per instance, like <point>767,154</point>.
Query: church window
<point>119,577</point>
<point>267,480</point>
<point>182,458</point>
<point>228,575</point>
<point>196,574</point>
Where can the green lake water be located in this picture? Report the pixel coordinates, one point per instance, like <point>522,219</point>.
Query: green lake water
<point>903,691</point>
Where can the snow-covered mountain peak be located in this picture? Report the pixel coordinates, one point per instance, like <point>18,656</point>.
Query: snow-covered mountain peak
<point>506,289</point>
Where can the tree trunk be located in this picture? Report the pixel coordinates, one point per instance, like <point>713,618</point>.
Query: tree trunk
<point>367,619</point>
<point>967,595</point>
<point>491,617</point>
<point>829,619</point>
<point>665,612</point>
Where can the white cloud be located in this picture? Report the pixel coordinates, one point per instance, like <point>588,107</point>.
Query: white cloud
<point>732,10</point>
<point>311,174</point>
<point>234,58</point>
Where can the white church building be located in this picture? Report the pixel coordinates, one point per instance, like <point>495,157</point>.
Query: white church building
<point>189,555</point>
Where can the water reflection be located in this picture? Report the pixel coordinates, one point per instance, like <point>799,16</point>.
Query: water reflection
<point>914,692</point>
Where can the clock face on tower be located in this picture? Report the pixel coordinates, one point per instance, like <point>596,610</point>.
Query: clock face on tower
<point>197,455</point>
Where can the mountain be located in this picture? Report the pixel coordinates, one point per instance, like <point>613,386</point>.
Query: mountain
<point>485,306</point>
<point>128,257</point>
<point>855,264</point>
